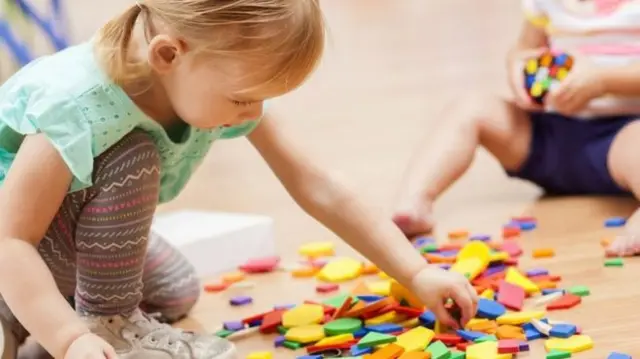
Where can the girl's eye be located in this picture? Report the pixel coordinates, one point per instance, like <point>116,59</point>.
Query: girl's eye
<point>239,103</point>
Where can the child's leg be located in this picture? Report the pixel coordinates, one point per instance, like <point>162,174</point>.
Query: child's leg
<point>624,165</point>
<point>171,286</point>
<point>496,124</point>
<point>96,248</point>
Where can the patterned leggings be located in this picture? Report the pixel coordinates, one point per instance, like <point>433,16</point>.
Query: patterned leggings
<point>100,249</point>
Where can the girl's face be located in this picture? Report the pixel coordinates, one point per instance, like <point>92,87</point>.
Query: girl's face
<point>203,92</point>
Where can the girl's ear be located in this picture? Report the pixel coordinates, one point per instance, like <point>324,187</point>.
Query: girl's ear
<point>164,53</point>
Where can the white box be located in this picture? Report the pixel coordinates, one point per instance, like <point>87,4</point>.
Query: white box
<point>216,242</point>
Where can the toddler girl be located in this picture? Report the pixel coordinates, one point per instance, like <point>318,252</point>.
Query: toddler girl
<point>94,137</point>
<point>585,141</point>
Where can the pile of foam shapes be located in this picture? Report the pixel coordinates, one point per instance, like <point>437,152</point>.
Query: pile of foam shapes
<point>384,320</point>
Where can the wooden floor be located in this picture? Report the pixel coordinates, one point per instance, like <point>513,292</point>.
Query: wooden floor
<point>390,67</point>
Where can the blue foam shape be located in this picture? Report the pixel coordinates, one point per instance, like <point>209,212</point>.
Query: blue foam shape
<point>384,328</point>
<point>563,330</point>
<point>356,351</point>
<point>369,298</point>
<point>550,291</point>
<point>428,319</point>
<point>615,222</point>
<point>490,309</point>
<point>615,355</point>
<point>532,334</point>
<point>527,226</point>
<point>423,241</point>
<point>360,333</point>
<point>310,357</point>
<point>469,335</point>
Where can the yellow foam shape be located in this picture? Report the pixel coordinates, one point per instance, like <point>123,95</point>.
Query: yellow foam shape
<point>317,249</point>
<point>305,334</point>
<point>515,277</point>
<point>574,344</point>
<point>382,287</point>
<point>260,355</point>
<point>305,314</point>
<point>410,323</point>
<point>485,350</point>
<point>499,256</point>
<point>400,293</point>
<point>389,317</point>
<point>517,318</point>
<point>415,339</point>
<point>340,270</point>
<point>475,249</point>
<point>488,294</point>
<point>383,275</point>
<point>469,267</point>
<point>336,339</point>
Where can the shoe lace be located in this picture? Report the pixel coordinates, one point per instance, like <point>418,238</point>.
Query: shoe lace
<point>157,330</point>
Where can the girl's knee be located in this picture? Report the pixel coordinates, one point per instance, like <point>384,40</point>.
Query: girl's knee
<point>474,109</point>
<point>136,154</point>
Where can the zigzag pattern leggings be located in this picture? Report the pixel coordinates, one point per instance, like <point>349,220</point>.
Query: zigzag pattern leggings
<point>100,249</point>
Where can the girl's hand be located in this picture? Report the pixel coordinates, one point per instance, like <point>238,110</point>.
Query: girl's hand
<point>90,346</point>
<point>435,286</point>
<point>582,84</point>
<point>516,64</point>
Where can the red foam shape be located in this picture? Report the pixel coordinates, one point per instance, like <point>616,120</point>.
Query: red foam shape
<point>321,348</point>
<point>271,321</point>
<point>511,296</point>
<point>512,248</point>
<point>448,339</point>
<point>260,265</point>
<point>565,302</point>
<point>326,288</point>
<point>508,346</point>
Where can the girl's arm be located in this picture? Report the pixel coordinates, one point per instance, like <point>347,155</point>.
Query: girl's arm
<point>368,230</point>
<point>30,197</point>
<point>328,200</point>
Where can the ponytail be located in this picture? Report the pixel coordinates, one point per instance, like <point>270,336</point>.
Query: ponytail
<point>113,47</point>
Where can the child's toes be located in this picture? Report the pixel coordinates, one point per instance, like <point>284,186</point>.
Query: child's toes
<point>624,246</point>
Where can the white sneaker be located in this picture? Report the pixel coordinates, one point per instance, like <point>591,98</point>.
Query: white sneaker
<point>139,336</point>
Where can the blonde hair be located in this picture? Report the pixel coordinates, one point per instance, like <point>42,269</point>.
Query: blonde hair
<point>285,37</point>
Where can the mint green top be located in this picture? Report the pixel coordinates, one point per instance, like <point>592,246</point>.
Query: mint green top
<point>69,99</point>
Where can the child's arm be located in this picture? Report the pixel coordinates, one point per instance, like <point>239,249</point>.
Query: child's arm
<point>621,80</point>
<point>367,229</point>
<point>32,192</point>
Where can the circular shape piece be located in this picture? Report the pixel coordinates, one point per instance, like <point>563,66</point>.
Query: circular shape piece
<point>342,326</point>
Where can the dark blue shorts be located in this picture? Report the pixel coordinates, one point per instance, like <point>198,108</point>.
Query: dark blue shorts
<point>568,156</point>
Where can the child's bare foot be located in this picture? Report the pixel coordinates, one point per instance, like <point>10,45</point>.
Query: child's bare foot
<point>414,218</point>
<point>625,245</point>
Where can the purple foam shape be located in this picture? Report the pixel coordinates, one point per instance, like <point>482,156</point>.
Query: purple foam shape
<point>255,323</point>
<point>451,253</point>
<point>493,270</point>
<point>284,306</point>
<point>537,271</point>
<point>241,300</point>
<point>233,326</point>
<point>423,241</point>
<point>445,266</point>
<point>480,237</point>
<point>523,347</point>
<point>278,341</point>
